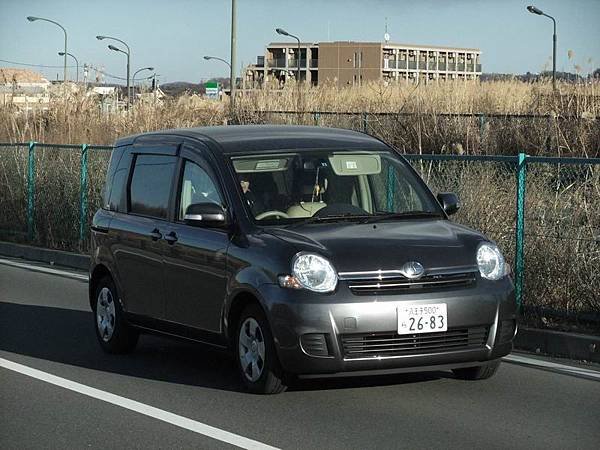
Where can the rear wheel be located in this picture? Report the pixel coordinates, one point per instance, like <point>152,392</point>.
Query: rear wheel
<point>482,372</point>
<point>256,356</point>
<point>114,334</point>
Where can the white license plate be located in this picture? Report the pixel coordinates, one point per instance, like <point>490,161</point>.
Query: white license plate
<point>416,319</point>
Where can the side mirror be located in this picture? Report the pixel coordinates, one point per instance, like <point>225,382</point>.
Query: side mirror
<point>205,215</point>
<point>449,202</point>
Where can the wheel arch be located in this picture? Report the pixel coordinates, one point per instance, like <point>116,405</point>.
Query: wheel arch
<point>239,301</point>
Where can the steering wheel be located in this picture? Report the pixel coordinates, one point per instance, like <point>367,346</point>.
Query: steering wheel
<point>272,213</point>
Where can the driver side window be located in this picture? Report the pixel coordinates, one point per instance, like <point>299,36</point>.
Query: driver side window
<point>197,186</point>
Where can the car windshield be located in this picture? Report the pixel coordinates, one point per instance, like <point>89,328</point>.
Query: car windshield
<point>318,185</point>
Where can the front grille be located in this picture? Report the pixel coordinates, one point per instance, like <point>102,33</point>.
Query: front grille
<point>375,345</point>
<point>401,284</point>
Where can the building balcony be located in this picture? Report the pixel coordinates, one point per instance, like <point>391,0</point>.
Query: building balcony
<point>461,67</point>
<point>451,66</point>
<point>442,66</point>
<point>422,65</point>
<point>470,68</point>
<point>478,67</point>
<point>432,65</point>
<point>278,62</point>
<point>412,65</point>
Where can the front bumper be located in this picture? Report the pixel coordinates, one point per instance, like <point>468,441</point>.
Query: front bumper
<point>294,315</point>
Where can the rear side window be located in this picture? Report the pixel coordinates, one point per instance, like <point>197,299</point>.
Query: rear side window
<point>150,187</point>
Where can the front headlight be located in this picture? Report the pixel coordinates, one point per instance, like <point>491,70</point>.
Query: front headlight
<point>491,262</point>
<point>313,272</point>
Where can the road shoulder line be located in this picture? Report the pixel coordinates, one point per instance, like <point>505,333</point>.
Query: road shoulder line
<point>141,408</point>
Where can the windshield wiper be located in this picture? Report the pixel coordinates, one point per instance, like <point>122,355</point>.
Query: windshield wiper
<point>407,215</point>
<point>330,218</point>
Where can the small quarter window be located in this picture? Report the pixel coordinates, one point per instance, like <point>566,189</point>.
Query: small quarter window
<point>150,187</point>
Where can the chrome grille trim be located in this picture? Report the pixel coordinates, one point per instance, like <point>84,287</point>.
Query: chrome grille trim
<point>403,284</point>
<point>375,275</point>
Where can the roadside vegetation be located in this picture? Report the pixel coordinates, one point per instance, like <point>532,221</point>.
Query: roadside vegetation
<point>562,252</point>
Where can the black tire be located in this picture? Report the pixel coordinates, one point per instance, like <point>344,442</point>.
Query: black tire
<point>123,337</point>
<point>271,379</point>
<point>482,372</point>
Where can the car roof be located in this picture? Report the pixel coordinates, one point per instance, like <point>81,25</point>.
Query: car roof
<point>258,138</point>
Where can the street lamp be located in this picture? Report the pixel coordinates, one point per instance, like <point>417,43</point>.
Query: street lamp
<point>33,19</point>
<point>208,58</point>
<point>128,53</point>
<point>282,32</point>
<point>133,78</point>
<point>76,63</point>
<point>539,12</point>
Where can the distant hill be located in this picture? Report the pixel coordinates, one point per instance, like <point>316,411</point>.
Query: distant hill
<point>180,87</point>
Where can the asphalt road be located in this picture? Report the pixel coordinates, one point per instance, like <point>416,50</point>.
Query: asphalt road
<point>171,394</point>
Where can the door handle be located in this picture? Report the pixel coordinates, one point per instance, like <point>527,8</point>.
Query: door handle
<point>171,238</point>
<point>155,234</point>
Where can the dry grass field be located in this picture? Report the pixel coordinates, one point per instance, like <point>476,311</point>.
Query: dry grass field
<point>413,118</point>
<point>562,250</point>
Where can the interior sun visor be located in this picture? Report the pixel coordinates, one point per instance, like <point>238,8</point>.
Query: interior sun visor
<point>348,164</point>
<point>275,164</point>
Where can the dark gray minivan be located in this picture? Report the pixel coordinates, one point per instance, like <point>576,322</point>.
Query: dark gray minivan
<point>307,252</point>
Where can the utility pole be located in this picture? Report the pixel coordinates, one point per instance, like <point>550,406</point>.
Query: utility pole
<point>233,59</point>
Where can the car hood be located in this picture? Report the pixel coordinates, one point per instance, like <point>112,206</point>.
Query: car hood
<point>352,247</point>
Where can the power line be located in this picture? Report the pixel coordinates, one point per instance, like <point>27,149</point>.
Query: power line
<point>34,65</point>
<point>70,67</point>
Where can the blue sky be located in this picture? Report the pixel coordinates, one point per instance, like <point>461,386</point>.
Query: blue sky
<point>174,35</point>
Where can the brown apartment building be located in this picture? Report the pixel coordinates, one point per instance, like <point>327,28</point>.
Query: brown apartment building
<point>348,63</point>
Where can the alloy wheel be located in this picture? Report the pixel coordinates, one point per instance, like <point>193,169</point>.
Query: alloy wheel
<point>251,344</point>
<point>105,314</point>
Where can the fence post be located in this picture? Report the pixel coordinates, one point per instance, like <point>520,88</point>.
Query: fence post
<point>365,122</point>
<point>481,126</point>
<point>520,228</point>
<point>83,193</point>
<point>31,192</point>
<point>316,117</point>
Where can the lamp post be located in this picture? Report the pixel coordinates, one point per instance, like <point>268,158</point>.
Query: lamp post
<point>128,53</point>
<point>282,32</point>
<point>133,79</point>
<point>76,63</point>
<point>539,12</point>
<point>33,19</point>
<point>208,58</point>
<point>233,56</point>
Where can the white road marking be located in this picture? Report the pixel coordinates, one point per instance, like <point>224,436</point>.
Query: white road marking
<point>571,370</point>
<point>62,273</point>
<point>142,408</point>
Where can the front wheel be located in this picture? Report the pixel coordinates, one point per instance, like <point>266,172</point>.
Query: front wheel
<point>114,334</point>
<point>482,372</point>
<point>256,356</point>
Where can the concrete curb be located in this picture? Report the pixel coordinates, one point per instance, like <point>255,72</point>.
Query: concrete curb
<point>575,346</point>
<point>60,258</point>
